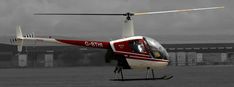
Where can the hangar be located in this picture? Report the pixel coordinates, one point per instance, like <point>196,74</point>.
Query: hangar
<point>64,56</point>
<point>200,53</point>
<point>49,56</point>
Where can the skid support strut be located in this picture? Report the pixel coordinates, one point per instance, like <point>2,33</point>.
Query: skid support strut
<point>119,70</point>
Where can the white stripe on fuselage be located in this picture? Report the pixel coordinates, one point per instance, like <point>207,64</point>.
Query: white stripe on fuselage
<point>143,64</point>
<point>127,53</point>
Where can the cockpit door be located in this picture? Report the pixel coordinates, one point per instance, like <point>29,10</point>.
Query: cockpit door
<point>135,46</point>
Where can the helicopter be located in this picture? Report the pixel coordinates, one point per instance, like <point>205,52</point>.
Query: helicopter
<point>130,51</point>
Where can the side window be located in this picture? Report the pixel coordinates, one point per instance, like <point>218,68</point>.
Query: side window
<point>137,46</point>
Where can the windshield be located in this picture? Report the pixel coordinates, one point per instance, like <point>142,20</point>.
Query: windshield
<point>157,50</point>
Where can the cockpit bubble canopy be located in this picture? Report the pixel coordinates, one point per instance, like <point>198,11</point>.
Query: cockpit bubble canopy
<point>157,50</point>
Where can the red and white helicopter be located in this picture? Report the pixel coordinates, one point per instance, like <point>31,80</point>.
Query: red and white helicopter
<point>130,52</point>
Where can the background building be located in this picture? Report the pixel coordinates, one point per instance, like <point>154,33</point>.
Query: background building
<point>49,56</point>
<point>201,53</point>
<point>64,56</point>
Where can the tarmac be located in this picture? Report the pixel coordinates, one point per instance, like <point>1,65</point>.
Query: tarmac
<point>184,76</point>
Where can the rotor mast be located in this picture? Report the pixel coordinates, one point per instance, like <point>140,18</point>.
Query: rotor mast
<point>128,27</point>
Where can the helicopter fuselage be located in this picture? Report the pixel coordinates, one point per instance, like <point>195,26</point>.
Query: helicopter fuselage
<point>137,52</point>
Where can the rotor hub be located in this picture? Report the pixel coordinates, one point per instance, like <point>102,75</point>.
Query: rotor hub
<point>128,15</point>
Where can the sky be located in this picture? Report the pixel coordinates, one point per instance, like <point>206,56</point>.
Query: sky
<point>215,23</point>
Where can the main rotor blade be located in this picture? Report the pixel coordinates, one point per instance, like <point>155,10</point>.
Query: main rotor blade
<point>79,14</point>
<point>174,11</point>
<point>131,14</point>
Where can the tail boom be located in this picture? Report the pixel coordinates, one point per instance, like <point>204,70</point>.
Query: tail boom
<point>20,40</point>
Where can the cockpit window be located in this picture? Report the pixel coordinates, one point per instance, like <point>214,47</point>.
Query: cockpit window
<point>137,46</point>
<point>156,53</point>
<point>157,50</point>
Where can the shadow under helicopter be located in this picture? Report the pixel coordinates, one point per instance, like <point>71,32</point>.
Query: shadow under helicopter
<point>166,77</point>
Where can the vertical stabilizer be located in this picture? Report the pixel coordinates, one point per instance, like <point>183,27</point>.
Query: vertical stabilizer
<point>128,28</point>
<point>19,34</point>
<point>19,38</point>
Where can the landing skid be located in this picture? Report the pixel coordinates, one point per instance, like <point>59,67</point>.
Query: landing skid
<point>141,79</point>
<point>120,70</point>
